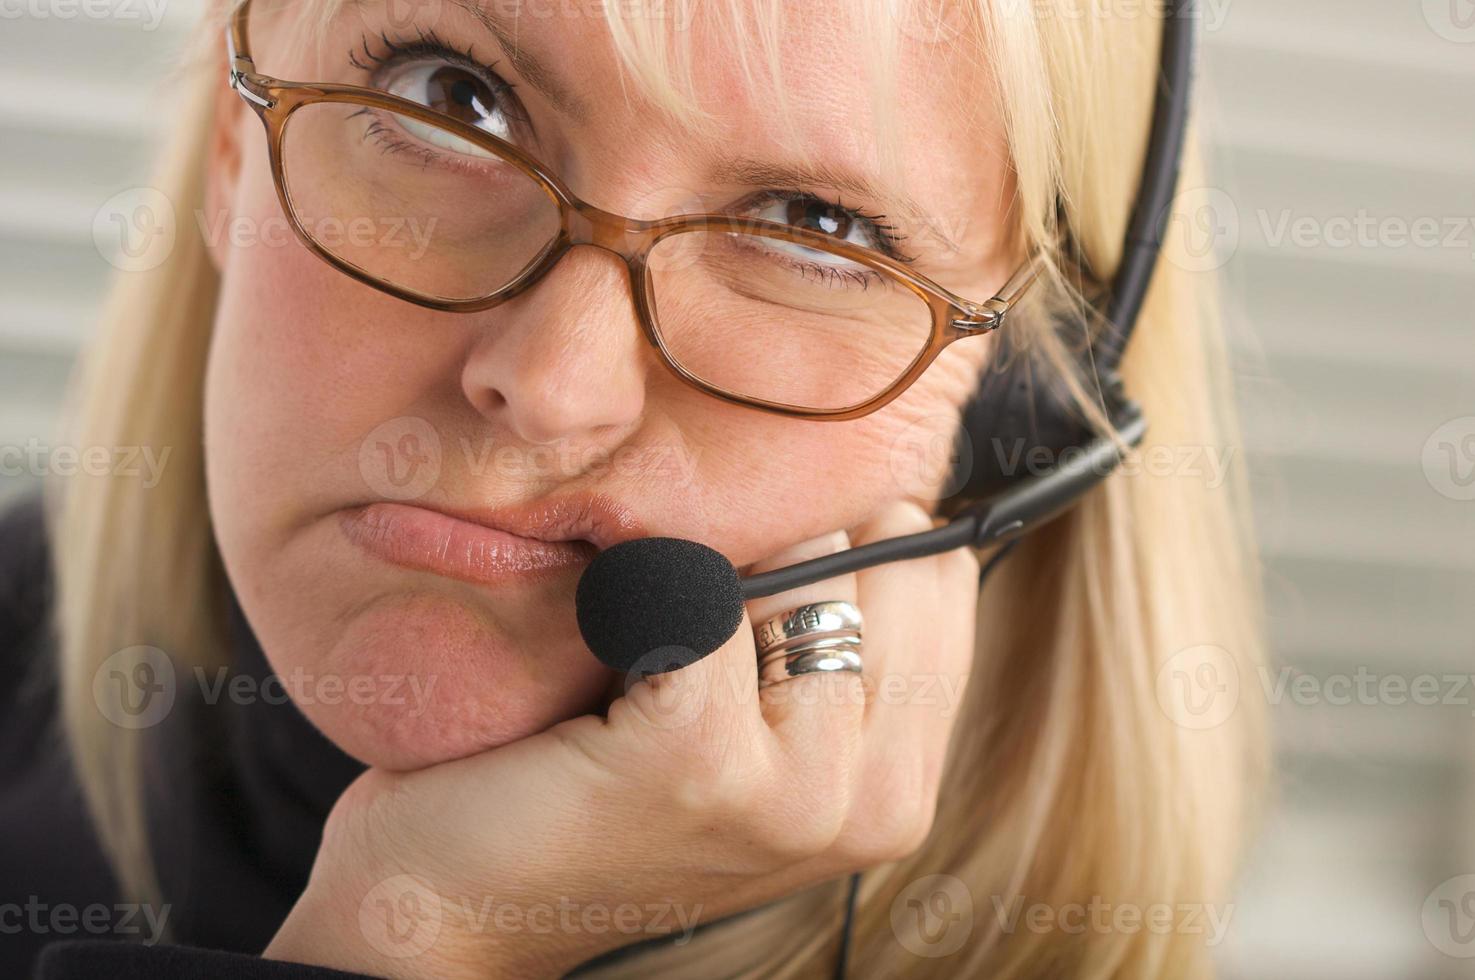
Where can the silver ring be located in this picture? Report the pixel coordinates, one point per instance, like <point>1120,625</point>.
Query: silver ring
<point>825,656</point>
<point>816,620</point>
<point>818,644</point>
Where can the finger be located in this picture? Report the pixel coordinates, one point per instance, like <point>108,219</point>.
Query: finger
<point>918,653</point>
<point>800,708</point>
<point>720,689</point>
<point>730,673</point>
<point>891,609</point>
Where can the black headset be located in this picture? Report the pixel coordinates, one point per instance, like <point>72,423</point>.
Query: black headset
<point>1000,504</point>
<point>632,593</point>
<point>997,501</point>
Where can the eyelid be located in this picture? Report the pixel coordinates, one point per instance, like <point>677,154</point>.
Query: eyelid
<point>888,239</point>
<point>427,45</point>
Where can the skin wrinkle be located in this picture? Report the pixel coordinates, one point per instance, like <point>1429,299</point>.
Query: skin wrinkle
<point>307,362</point>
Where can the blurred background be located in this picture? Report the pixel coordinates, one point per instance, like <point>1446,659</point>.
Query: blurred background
<point>1342,212</point>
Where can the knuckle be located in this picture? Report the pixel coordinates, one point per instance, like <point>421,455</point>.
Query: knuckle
<point>892,831</point>
<point>804,830</point>
<point>961,564</point>
<point>893,519</point>
<point>716,781</point>
<point>803,814</point>
<point>904,517</point>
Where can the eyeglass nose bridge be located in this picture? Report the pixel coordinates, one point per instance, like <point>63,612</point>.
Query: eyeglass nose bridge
<point>585,224</point>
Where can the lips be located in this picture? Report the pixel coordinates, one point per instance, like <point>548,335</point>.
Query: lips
<point>491,547</point>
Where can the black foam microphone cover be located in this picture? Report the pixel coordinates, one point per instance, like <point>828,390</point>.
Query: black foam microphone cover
<point>657,604</point>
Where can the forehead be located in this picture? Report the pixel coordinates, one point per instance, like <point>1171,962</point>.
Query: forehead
<point>818,92</point>
<point>819,84</point>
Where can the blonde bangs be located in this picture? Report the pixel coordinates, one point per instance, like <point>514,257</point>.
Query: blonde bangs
<point>1066,779</point>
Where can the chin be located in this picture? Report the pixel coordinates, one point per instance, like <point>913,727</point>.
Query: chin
<point>438,679</point>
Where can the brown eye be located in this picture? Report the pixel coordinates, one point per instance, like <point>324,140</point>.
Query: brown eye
<point>815,215</point>
<point>458,92</point>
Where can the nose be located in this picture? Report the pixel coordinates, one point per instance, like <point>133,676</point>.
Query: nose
<point>566,360</point>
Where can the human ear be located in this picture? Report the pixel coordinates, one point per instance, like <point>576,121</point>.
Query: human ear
<point>223,165</point>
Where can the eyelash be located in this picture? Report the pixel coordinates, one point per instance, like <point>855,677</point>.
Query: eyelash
<point>888,238</point>
<point>427,44</point>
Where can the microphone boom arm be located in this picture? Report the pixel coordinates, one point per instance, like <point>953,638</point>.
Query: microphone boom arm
<point>1033,502</point>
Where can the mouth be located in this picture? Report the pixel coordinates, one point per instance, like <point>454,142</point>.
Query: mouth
<point>491,547</point>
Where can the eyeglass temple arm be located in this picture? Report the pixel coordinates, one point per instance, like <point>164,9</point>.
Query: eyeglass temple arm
<point>989,315</point>
<point>1154,196</point>
<point>239,61</point>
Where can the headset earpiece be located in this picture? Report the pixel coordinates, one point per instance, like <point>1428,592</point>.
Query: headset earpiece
<point>1018,421</point>
<point>1022,424</point>
<point>1022,421</point>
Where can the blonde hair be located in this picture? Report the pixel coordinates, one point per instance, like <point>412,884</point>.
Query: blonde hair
<point>1068,781</point>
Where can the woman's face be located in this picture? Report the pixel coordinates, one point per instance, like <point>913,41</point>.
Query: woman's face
<point>404,498</point>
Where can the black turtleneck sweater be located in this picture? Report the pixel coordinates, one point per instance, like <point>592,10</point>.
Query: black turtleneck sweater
<point>236,793</point>
<point>236,789</point>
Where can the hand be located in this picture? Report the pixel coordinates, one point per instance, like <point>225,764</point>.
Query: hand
<point>696,797</point>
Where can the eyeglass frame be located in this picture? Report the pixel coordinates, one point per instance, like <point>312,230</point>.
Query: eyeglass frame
<point>580,223</point>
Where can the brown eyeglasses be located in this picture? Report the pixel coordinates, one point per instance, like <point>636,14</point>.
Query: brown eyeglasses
<point>433,210</point>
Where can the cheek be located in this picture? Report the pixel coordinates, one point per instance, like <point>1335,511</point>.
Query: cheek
<point>779,481</point>
<point>304,363</point>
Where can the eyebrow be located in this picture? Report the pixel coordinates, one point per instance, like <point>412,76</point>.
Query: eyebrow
<point>528,65</point>
<point>737,170</point>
